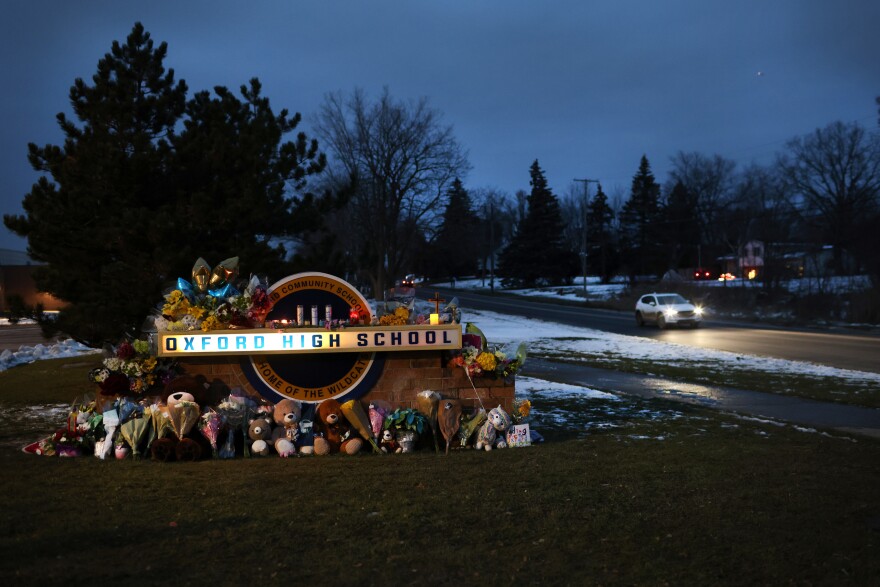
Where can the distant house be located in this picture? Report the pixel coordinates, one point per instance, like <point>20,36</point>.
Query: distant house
<point>16,279</point>
<point>748,263</point>
<point>793,260</point>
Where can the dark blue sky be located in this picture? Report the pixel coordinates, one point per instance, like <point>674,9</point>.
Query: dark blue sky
<point>585,87</point>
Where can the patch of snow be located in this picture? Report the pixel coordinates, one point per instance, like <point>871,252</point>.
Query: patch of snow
<point>28,354</point>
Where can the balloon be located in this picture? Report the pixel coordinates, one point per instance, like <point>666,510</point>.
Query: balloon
<point>224,273</point>
<point>201,273</point>
<point>226,291</point>
<point>186,288</point>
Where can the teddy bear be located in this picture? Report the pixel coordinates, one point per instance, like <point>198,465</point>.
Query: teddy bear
<point>388,443</point>
<point>492,431</point>
<point>186,384</point>
<point>287,414</point>
<point>182,397</point>
<point>338,435</point>
<point>260,433</point>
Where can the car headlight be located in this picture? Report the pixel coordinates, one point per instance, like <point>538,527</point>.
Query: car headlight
<point>698,311</point>
<point>670,312</point>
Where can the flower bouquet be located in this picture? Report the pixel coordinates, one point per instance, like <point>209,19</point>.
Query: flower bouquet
<point>132,370</point>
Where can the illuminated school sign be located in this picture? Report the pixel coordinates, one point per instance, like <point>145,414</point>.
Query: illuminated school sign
<point>298,341</point>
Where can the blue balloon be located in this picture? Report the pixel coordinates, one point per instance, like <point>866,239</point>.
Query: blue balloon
<point>187,288</point>
<point>226,291</point>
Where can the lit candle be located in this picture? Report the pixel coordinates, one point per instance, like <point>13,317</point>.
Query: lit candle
<point>435,319</point>
<point>314,315</point>
<point>299,315</point>
<point>353,316</point>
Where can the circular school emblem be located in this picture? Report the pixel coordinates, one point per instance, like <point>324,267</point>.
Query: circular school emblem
<point>312,298</point>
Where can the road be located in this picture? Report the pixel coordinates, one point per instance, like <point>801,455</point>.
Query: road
<point>13,337</point>
<point>844,350</point>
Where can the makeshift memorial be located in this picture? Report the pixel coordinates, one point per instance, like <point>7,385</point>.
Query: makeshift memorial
<point>354,413</point>
<point>491,434</point>
<point>337,434</point>
<point>428,402</point>
<point>449,419</point>
<point>287,414</point>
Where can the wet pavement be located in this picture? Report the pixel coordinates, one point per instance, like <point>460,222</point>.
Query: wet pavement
<point>13,337</point>
<point>814,414</point>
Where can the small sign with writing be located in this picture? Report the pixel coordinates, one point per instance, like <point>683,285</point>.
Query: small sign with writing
<point>519,435</point>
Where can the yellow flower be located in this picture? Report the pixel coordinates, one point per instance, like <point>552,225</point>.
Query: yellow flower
<point>196,312</point>
<point>392,320</point>
<point>402,312</point>
<point>486,361</point>
<point>148,365</point>
<point>210,323</point>
<point>524,408</point>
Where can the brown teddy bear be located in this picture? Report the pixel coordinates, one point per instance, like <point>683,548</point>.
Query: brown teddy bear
<point>183,444</point>
<point>260,433</point>
<point>287,414</point>
<point>338,436</point>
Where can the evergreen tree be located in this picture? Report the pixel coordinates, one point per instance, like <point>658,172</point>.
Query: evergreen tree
<point>537,252</point>
<point>453,257</point>
<point>601,256</point>
<point>681,228</point>
<point>127,206</point>
<point>640,227</point>
<point>235,173</point>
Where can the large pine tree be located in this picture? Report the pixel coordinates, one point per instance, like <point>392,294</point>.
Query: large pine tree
<point>640,225</point>
<point>601,255</point>
<point>681,227</point>
<point>453,256</point>
<point>537,253</point>
<point>125,205</point>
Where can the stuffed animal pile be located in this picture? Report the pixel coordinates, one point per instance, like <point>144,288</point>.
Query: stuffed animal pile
<point>187,423</point>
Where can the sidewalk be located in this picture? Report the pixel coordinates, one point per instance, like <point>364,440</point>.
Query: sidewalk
<point>839,417</point>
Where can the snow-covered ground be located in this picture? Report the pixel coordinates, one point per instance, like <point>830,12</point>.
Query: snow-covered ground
<point>598,291</point>
<point>28,354</point>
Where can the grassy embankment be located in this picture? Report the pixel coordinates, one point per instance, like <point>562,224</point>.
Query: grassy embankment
<point>623,492</point>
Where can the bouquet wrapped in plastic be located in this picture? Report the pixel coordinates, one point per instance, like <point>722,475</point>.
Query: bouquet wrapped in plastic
<point>210,424</point>
<point>354,413</point>
<point>471,425</point>
<point>428,402</point>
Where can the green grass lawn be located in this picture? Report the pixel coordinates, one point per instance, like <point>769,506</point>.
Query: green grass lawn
<point>623,492</point>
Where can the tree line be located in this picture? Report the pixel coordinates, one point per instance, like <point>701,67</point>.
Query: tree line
<point>150,178</point>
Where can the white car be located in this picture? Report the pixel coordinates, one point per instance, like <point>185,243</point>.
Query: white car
<point>666,309</point>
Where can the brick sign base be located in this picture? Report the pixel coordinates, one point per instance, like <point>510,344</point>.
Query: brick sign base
<point>404,375</point>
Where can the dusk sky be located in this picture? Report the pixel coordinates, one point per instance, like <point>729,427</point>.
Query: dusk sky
<point>584,87</point>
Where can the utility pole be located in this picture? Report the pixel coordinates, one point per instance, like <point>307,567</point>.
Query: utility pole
<point>585,206</point>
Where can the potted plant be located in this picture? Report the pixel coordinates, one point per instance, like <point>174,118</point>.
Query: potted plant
<point>407,424</point>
